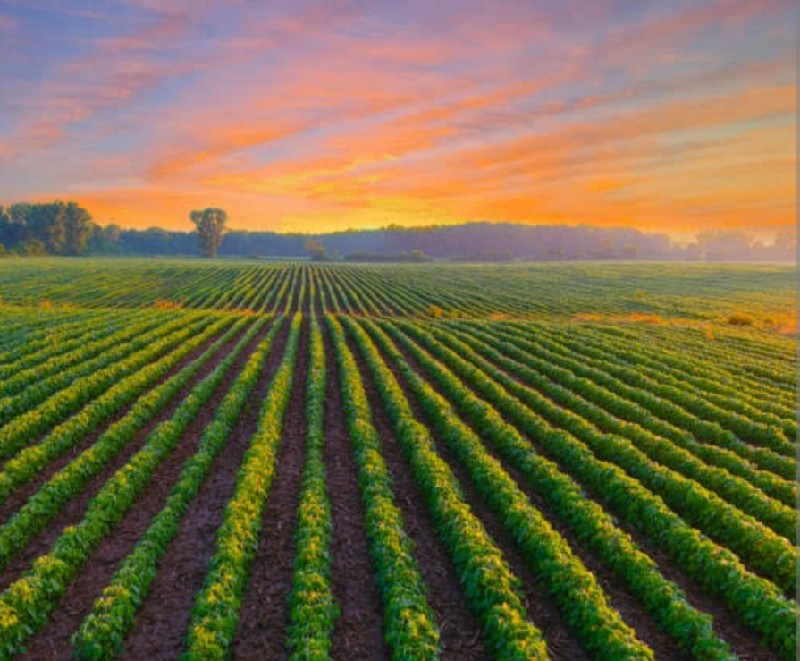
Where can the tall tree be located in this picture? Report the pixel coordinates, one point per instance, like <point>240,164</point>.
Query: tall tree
<point>78,228</point>
<point>315,249</point>
<point>210,224</point>
<point>47,223</point>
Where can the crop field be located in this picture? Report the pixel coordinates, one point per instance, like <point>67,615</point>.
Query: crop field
<point>261,460</point>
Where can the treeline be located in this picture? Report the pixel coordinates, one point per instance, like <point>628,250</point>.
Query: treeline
<point>66,228</point>
<point>52,228</point>
<point>483,242</point>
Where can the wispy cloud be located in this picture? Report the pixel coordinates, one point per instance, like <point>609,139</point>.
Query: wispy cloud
<point>336,114</point>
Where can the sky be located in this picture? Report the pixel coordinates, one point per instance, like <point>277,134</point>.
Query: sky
<point>674,116</point>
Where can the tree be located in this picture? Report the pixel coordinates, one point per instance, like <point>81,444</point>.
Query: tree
<point>315,249</point>
<point>210,226</point>
<point>46,223</point>
<point>78,228</point>
<point>106,239</point>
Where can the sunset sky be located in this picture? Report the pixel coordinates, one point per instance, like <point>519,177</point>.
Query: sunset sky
<point>667,115</point>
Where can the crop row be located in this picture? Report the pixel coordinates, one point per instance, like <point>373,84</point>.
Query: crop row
<point>45,402</point>
<point>32,459</point>
<point>27,602</point>
<point>103,632</point>
<point>409,624</point>
<point>216,609</point>
<point>758,602</point>
<point>579,396</point>
<point>491,589</point>
<point>312,609</point>
<point>708,432</point>
<point>595,528</point>
<point>675,373</point>
<point>664,600</point>
<point>664,387</point>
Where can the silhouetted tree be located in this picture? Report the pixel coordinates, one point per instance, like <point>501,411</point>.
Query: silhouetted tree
<point>315,249</point>
<point>210,226</point>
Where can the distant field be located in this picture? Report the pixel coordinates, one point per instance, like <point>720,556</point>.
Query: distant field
<point>544,290</point>
<point>264,460</point>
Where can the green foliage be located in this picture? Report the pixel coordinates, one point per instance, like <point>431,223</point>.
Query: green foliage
<point>27,603</point>
<point>409,623</point>
<point>312,609</point>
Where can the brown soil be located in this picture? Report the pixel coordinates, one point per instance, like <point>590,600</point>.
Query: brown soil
<point>18,498</point>
<point>98,570</point>
<point>264,614</point>
<point>744,642</point>
<point>358,632</point>
<point>561,642</point>
<point>162,622</point>
<point>459,628</point>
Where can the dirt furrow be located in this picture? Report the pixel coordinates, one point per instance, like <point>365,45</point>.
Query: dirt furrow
<point>358,632</point>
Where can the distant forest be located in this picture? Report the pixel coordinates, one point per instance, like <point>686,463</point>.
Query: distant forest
<point>66,228</point>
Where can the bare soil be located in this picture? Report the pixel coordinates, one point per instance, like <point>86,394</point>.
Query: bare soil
<point>358,631</point>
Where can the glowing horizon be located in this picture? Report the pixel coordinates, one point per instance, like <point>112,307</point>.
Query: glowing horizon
<point>675,117</point>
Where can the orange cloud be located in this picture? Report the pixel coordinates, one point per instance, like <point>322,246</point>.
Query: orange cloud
<point>335,114</point>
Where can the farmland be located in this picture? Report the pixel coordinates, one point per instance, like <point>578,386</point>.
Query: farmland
<point>310,460</point>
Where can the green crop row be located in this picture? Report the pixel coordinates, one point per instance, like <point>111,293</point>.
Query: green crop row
<point>312,609</point>
<point>102,633</point>
<point>409,622</point>
<point>767,552</point>
<point>32,459</point>
<point>746,429</point>
<point>672,372</point>
<point>664,600</point>
<point>758,602</point>
<point>578,399</point>
<point>27,603</point>
<point>53,350</point>
<point>215,614</point>
<point>705,431</point>
<point>123,343</point>
<point>580,599</point>
<point>491,589</point>
<point>141,351</point>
